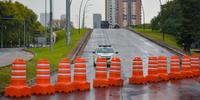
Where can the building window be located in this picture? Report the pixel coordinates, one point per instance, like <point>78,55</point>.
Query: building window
<point>133,16</point>
<point>133,0</point>
<point>125,17</point>
<point>129,0</point>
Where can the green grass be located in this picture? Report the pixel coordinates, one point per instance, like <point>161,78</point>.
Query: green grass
<point>60,50</point>
<point>158,36</point>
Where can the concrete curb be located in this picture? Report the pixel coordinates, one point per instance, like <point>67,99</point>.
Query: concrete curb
<point>160,43</point>
<point>77,51</point>
<point>33,53</point>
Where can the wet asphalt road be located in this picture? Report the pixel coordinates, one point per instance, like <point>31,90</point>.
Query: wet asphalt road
<point>128,45</point>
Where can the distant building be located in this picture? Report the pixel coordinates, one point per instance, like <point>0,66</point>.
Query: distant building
<point>196,45</point>
<point>63,17</point>
<point>63,20</point>
<point>42,19</point>
<point>123,12</point>
<point>97,20</point>
<point>111,12</point>
<point>104,24</point>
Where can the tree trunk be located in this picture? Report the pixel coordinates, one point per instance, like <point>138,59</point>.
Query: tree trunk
<point>187,47</point>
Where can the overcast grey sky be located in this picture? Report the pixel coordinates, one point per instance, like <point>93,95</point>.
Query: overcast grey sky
<point>152,7</point>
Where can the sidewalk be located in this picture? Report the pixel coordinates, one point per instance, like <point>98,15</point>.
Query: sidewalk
<point>7,55</point>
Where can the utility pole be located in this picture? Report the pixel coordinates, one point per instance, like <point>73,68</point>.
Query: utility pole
<point>51,24</point>
<point>80,16</point>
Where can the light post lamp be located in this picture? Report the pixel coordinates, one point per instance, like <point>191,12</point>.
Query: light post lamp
<point>143,15</point>
<point>84,11</point>
<point>80,16</point>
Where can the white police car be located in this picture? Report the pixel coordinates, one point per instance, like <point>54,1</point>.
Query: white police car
<point>104,51</point>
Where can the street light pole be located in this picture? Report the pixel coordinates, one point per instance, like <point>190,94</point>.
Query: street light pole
<point>143,16</point>
<point>68,23</point>
<point>80,16</point>
<point>51,24</point>
<point>45,18</point>
<point>84,11</point>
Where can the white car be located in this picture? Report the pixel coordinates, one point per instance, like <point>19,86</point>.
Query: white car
<point>104,51</point>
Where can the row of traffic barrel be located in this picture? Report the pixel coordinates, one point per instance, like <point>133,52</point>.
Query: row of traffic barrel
<point>18,86</point>
<point>180,68</point>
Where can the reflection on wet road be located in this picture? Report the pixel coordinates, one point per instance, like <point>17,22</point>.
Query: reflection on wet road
<point>129,45</point>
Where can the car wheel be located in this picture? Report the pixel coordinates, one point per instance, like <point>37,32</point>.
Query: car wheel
<point>108,65</point>
<point>94,64</point>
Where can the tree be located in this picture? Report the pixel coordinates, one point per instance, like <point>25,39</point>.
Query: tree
<point>21,15</point>
<point>190,29</point>
<point>180,18</point>
<point>155,23</point>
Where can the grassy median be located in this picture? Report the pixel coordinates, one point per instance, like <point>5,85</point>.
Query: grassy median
<point>158,36</point>
<point>60,50</point>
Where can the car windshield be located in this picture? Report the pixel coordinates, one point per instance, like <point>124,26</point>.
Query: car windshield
<point>105,50</point>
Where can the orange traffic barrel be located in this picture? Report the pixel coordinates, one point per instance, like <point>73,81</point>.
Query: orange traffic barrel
<point>162,68</point>
<point>64,83</point>
<point>18,86</point>
<point>101,79</point>
<point>43,85</point>
<point>175,71</point>
<point>80,78</point>
<point>186,67</point>
<point>137,72</point>
<point>115,72</point>
<point>153,70</point>
<point>195,65</point>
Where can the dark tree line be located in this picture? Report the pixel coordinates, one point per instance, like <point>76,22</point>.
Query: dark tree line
<point>14,19</point>
<point>180,18</point>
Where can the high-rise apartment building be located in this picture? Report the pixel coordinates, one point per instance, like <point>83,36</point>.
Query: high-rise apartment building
<point>123,12</point>
<point>111,12</point>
